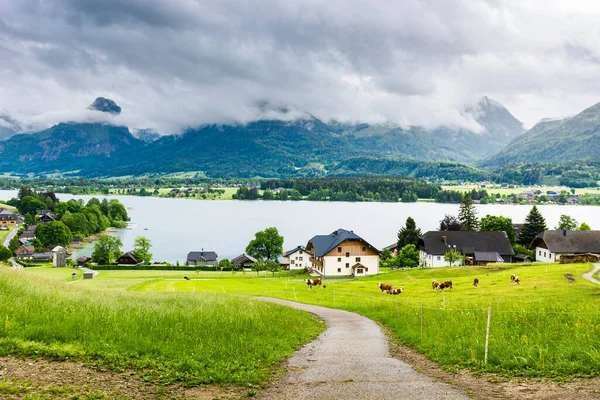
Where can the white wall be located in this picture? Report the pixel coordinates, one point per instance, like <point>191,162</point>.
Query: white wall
<point>331,264</point>
<point>544,255</point>
<point>301,260</point>
<point>435,260</point>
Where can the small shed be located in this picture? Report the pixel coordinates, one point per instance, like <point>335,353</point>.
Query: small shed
<point>59,257</point>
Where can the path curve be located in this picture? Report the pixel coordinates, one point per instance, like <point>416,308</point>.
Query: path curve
<point>6,242</point>
<point>351,360</point>
<point>590,275</point>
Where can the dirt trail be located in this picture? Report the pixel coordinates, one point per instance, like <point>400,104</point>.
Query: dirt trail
<point>590,275</point>
<point>351,360</point>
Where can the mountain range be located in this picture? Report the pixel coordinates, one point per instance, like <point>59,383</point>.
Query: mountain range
<point>302,147</point>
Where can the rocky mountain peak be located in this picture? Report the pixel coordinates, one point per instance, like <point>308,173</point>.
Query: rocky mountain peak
<point>105,105</point>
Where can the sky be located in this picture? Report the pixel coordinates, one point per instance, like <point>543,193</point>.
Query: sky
<point>174,64</point>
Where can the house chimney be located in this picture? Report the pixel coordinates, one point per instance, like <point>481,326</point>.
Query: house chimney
<point>564,232</point>
<point>445,239</point>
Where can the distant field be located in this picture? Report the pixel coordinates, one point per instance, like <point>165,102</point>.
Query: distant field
<point>493,189</point>
<point>3,234</point>
<point>168,338</point>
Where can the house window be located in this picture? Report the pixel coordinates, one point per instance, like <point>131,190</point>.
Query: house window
<point>544,254</point>
<point>339,270</point>
<point>347,265</point>
<point>439,258</point>
<point>292,262</point>
<point>359,271</point>
<point>300,259</point>
<point>339,249</point>
<point>540,253</point>
<point>339,259</point>
<point>347,254</point>
<point>301,252</point>
<point>364,248</point>
<point>357,259</point>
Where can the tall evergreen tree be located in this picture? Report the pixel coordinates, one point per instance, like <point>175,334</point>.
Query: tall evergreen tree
<point>467,215</point>
<point>409,234</point>
<point>534,224</point>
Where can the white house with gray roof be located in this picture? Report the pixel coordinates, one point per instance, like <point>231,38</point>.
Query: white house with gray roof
<point>202,258</point>
<point>297,258</point>
<point>343,253</point>
<point>550,245</point>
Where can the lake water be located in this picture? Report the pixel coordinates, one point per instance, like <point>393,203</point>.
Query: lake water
<point>177,226</point>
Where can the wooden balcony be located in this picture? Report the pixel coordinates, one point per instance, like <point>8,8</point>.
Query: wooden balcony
<point>316,262</point>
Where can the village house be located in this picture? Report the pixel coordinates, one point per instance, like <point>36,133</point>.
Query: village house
<point>46,216</point>
<point>128,259</point>
<point>480,248</point>
<point>393,248</point>
<point>24,250</point>
<point>297,258</point>
<point>343,253</point>
<point>550,245</point>
<point>243,261</point>
<point>7,217</point>
<point>81,261</point>
<point>202,258</point>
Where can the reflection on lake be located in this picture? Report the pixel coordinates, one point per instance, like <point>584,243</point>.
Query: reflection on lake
<point>177,226</point>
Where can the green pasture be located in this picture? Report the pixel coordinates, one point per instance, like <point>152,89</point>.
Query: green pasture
<point>3,234</point>
<point>167,337</point>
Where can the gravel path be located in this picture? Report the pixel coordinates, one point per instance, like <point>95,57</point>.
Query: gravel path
<point>351,360</point>
<point>590,275</point>
<point>6,242</point>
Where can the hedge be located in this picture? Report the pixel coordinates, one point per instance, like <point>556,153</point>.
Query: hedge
<point>155,268</point>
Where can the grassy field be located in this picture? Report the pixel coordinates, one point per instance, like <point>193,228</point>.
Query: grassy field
<point>3,234</point>
<point>167,337</point>
<point>544,327</point>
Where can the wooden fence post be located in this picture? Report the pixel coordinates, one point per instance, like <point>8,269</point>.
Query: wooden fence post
<point>487,335</point>
<point>422,320</point>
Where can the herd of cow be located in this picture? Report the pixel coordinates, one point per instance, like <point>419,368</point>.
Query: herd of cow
<point>435,285</point>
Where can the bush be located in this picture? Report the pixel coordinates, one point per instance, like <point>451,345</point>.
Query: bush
<point>156,268</point>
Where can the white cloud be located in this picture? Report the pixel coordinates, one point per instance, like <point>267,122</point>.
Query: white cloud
<point>171,65</point>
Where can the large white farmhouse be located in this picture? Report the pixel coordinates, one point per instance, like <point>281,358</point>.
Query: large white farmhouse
<point>297,258</point>
<point>549,245</point>
<point>343,253</point>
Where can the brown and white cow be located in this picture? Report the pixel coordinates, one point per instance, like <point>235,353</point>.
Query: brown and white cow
<point>435,285</point>
<point>476,282</point>
<point>515,279</point>
<point>446,285</point>
<point>395,291</point>
<point>385,286</point>
<point>313,282</point>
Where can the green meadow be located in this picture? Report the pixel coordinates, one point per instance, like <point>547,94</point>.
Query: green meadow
<point>546,326</point>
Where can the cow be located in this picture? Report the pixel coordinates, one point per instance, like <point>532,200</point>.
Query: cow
<point>385,286</point>
<point>475,282</point>
<point>515,279</point>
<point>395,291</point>
<point>446,284</point>
<point>313,282</point>
<point>435,285</point>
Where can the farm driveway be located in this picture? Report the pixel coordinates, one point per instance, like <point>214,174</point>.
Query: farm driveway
<point>351,360</point>
<point>590,275</point>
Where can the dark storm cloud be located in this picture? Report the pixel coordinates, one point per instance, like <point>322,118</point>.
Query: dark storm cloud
<point>172,64</point>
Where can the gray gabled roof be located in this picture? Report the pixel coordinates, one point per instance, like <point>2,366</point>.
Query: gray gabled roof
<point>323,244</point>
<point>202,255</point>
<point>466,242</point>
<point>488,256</point>
<point>569,241</point>
<point>130,255</point>
<point>242,258</point>
<point>290,252</point>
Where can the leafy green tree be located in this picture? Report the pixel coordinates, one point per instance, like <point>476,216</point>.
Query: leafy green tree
<point>520,249</point>
<point>566,223</point>
<point>409,197</point>
<point>450,223</point>
<point>467,215</point>
<point>408,256</point>
<point>563,197</point>
<point>493,223</point>
<point>534,224</point>
<point>14,244</point>
<point>225,263</point>
<point>385,256</point>
<point>30,204</point>
<point>54,233</point>
<point>409,234</point>
<point>77,223</point>
<point>273,266</point>
<point>117,211</point>
<point>584,227</point>
<point>268,195</point>
<point>266,245</point>
<point>5,253</point>
<point>141,249</point>
<point>453,256</point>
<point>107,249</point>
<point>259,266</point>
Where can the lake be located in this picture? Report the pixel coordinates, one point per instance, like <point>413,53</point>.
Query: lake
<point>177,226</point>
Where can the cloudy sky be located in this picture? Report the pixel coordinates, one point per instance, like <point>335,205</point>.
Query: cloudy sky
<point>177,63</point>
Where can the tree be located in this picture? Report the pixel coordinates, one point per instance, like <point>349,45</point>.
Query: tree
<point>273,266</point>
<point>14,244</point>
<point>467,215</point>
<point>266,245</point>
<point>30,204</point>
<point>259,266</point>
<point>107,249</point>
<point>408,256</point>
<point>450,223</point>
<point>409,234</point>
<point>584,227</point>
<point>453,256</point>
<point>5,253</point>
<point>493,223</point>
<point>385,257</point>
<point>141,249</point>
<point>534,224</point>
<point>54,233</point>
<point>225,263</point>
<point>566,223</point>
